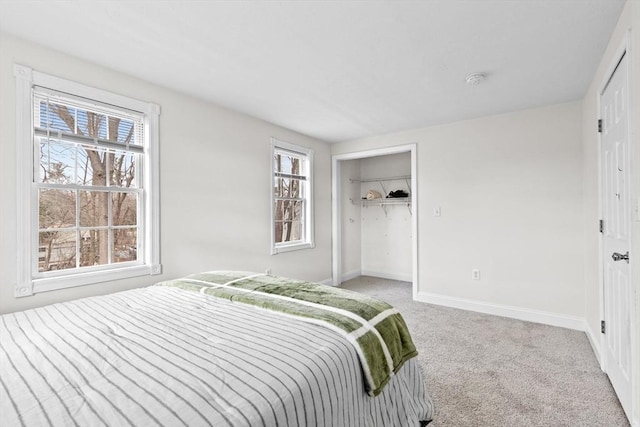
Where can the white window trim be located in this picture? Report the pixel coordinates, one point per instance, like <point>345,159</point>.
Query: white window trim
<point>26,284</point>
<point>309,220</point>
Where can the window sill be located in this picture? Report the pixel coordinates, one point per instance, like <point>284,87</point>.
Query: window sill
<point>80,279</point>
<point>291,247</point>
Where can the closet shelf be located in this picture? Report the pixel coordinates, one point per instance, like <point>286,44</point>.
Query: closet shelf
<point>386,201</point>
<point>391,178</point>
<point>383,203</point>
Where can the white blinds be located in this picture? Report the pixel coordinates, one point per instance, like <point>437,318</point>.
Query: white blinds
<point>72,119</point>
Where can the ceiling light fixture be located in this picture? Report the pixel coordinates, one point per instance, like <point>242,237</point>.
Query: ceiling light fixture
<point>474,79</point>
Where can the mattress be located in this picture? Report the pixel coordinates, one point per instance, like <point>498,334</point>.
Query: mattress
<point>167,356</point>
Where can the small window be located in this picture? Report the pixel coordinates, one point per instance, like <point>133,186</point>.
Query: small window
<point>291,195</point>
<point>89,158</point>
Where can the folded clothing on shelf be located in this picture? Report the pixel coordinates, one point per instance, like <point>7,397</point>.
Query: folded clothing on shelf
<point>397,194</point>
<point>373,194</point>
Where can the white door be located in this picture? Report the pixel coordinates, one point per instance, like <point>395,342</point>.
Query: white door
<point>618,289</point>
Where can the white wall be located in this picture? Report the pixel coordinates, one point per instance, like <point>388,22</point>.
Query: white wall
<point>214,182</point>
<point>386,233</point>
<point>510,192</point>
<point>629,20</point>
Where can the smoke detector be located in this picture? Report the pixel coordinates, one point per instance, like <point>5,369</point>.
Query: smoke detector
<point>474,79</point>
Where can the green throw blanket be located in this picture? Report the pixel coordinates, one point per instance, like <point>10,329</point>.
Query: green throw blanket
<point>376,329</point>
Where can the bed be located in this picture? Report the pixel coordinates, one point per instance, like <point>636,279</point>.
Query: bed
<point>212,349</point>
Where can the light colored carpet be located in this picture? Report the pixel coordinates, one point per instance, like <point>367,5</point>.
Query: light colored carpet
<point>484,370</point>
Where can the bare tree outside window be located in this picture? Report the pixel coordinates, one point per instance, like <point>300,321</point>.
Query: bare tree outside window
<point>288,211</point>
<point>291,197</point>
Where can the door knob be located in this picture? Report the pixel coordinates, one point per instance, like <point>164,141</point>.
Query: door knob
<point>619,257</point>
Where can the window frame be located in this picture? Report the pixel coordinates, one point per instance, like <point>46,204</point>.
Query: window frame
<point>308,219</point>
<point>29,281</point>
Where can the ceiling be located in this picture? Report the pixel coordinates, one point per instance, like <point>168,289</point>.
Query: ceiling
<point>338,70</point>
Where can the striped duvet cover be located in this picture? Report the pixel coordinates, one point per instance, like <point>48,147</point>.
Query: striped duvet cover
<point>376,329</point>
<point>169,357</point>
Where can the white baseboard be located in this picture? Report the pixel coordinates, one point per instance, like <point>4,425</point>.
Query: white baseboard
<point>536,316</point>
<point>328,282</point>
<point>594,341</point>
<point>351,275</point>
<point>390,276</point>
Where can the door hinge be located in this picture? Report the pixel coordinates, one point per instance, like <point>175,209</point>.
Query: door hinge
<point>601,225</point>
<point>602,327</point>
<point>599,125</point>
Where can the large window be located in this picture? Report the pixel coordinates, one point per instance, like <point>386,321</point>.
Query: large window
<point>91,160</point>
<point>291,185</point>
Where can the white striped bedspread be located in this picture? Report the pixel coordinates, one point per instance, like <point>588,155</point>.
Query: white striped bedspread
<point>161,356</point>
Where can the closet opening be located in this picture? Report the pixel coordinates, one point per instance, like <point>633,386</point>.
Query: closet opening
<point>374,215</point>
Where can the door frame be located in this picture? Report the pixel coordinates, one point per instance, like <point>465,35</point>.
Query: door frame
<point>623,49</point>
<point>336,208</point>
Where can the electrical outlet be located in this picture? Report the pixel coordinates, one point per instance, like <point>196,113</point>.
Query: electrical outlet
<point>475,274</point>
<point>437,211</point>
<point>267,272</point>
